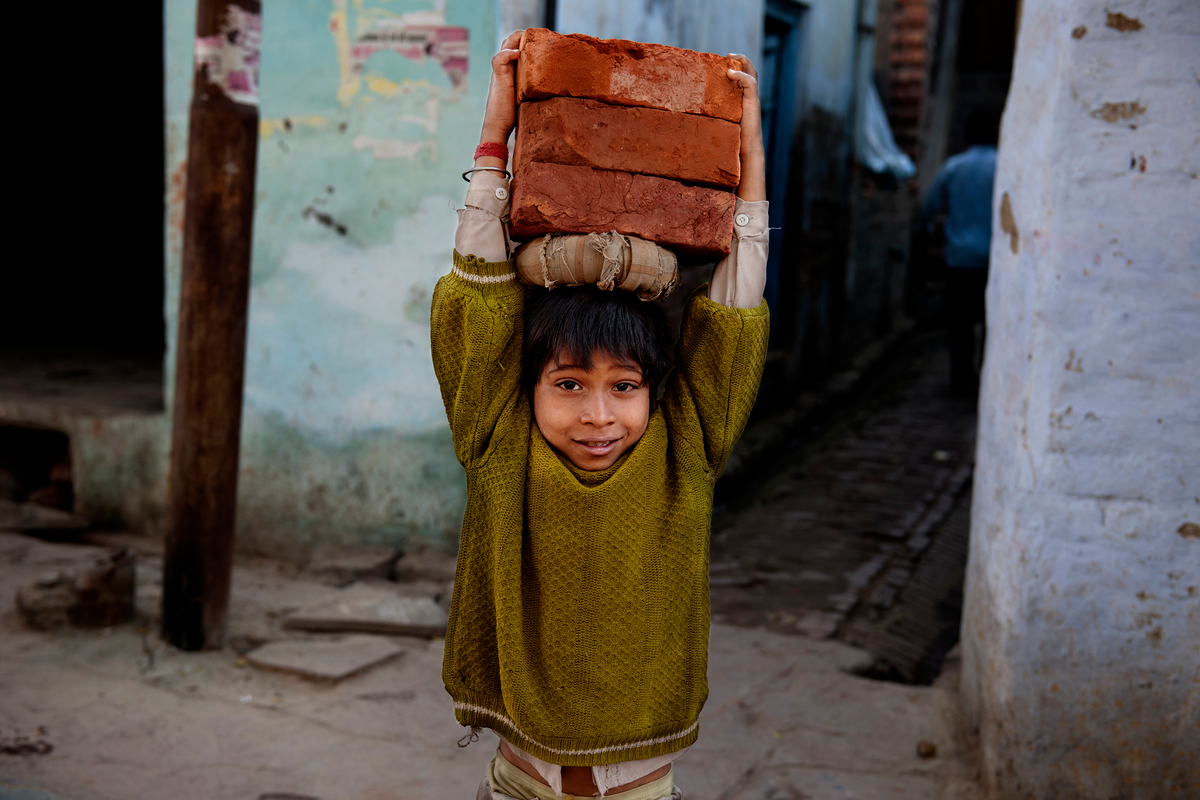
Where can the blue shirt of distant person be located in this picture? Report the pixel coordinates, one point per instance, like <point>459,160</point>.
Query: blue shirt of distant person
<point>963,189</point>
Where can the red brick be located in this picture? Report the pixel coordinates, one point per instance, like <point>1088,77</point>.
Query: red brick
<point>555,198</point>
<point>588,133</point>
<point>626,73</point>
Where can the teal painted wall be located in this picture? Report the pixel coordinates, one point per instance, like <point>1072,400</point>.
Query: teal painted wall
<point>344,440</point>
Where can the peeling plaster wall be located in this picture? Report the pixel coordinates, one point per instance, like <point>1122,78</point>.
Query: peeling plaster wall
<point>1081,632</point>
<point>344,439</point>
<point>709,27</point>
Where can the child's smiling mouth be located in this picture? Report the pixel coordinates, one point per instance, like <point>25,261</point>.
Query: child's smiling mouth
<point>597,447</point>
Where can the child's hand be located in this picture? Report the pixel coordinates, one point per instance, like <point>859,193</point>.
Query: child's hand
<point>753,185</point>
<point>501,115</point>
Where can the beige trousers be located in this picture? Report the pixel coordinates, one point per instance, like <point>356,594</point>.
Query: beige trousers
<point>506,782</point>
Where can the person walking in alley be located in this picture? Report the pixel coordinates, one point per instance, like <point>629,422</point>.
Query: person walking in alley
<point>963,191</point>
<point>579,624</point>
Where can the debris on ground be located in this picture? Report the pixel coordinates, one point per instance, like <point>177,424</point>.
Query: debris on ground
<point>342,566</point>
<point>99,597</point>
<point>372,608</point>
<point>425,565</point>
<point>328,659</point>
<point>34,517</point>
<point>43,604</point>
<point>23,745</point>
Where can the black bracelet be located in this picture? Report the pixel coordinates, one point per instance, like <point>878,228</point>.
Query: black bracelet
<point>490,169</point>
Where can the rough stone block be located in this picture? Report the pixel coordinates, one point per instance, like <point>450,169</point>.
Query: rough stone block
<point>342,566</point>
<point>649,141</point>
<point>46,604</point>
<point>553,198</point>
<point>325,660</point>
<point>372,609</point>
<point>425,565</point>
<point>100,597</point>
<point>34,517</point>
<point>626,73</point>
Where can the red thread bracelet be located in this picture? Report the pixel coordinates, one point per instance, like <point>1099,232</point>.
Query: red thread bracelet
<point>493,149</point>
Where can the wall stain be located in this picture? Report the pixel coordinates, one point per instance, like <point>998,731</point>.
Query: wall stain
<point>1189,530</point>
<point>1008,224</point>
<point>1122,23</point>
<point>1074,363</point>
<point>1116,112</point>
<point>325,219</point>
<point>1079,32</point>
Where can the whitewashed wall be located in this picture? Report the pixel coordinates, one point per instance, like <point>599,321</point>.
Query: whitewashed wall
<point>1082,628</point>
<point>711,27</point>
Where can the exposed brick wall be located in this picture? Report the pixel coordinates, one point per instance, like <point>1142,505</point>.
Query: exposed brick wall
<point>912,42</point>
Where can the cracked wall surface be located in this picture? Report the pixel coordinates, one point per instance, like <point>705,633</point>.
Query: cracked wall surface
<point>1081,631</point>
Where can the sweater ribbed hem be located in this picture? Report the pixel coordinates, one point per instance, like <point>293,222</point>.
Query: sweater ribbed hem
<point>578,751</point>
<point>475,270</point>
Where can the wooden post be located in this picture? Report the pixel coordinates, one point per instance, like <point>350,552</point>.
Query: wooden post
<point>211,343</point>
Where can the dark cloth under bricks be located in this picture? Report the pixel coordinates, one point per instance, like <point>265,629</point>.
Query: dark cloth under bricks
<point>627,73</point>
<point>649,141</point>
<point>554,198</point>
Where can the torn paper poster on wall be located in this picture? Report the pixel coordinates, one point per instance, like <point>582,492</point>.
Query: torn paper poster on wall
<point>397,101</point>
<point>448,46</point>
<point>231,57</point>
<point>414,35</point>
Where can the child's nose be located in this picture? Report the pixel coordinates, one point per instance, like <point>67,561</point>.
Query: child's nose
<point>597,410</point>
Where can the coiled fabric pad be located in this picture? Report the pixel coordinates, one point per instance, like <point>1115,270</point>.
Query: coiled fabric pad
<point>609,260</point>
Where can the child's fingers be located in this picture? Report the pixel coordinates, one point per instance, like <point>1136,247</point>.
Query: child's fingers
<point>744,79</point>
<point>747,65</point>
<point>503,59</point>
<point>512,40</point>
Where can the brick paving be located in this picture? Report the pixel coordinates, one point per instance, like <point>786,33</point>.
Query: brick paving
<point>862,535</point>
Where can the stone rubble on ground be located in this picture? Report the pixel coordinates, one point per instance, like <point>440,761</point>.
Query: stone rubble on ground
<point>99,596</point>
<point>326,659</point>
<point>34,517</point>
<point>342,566</point>
<point>372,608</point>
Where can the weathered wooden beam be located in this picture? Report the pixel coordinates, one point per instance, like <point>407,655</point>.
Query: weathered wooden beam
<point>211,343</point>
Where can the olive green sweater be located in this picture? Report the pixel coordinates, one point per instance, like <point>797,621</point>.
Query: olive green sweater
<point>579,624</point>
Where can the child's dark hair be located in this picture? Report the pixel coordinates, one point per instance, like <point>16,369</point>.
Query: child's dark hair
<point>580,320</point>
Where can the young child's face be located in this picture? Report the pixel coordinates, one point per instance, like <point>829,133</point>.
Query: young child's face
<point>591,416</point>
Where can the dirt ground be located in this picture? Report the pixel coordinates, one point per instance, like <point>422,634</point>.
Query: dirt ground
<point>116,714</point>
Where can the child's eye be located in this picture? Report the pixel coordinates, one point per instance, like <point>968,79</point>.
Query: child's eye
<point>626,386</point>
<point>570,386</point>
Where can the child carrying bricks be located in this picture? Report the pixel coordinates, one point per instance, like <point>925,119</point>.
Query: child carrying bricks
<point>580,618</point>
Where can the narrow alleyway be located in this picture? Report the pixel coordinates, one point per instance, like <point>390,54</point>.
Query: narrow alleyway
<point>844,567</point>
<point>861,533</point>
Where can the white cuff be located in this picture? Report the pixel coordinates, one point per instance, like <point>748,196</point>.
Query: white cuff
<point>750,218</point>
<point>489,192</point>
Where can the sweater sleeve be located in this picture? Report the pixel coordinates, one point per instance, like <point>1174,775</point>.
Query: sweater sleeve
<point>476,329</point>
<point>719,363</point>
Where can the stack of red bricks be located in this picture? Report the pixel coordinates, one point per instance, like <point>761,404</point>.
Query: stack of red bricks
<point>638,138</point>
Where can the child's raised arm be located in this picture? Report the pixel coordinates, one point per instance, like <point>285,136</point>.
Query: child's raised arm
<point>475,321</point>
<point>739,279</point>
<point>480,231</point>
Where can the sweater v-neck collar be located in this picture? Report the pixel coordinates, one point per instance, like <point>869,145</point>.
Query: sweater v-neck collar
<point>588,478</point>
